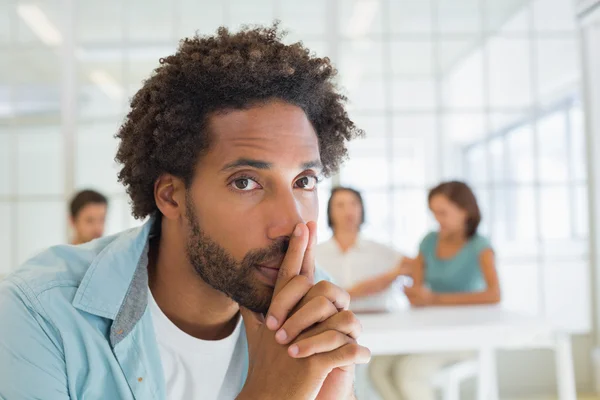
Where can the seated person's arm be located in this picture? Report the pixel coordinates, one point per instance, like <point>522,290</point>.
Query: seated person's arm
<point>32,364</point>
<point>491,295</point>
<point>382,282</point>
<point>421,296</point>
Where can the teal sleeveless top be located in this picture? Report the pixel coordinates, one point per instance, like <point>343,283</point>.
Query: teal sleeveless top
<point>461,273</point>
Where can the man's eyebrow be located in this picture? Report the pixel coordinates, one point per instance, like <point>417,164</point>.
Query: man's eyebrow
<point>258,164</point>
<point>316,164</point>
<point>246,162</point>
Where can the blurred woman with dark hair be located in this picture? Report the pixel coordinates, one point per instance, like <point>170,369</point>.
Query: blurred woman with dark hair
<point>455,266</point>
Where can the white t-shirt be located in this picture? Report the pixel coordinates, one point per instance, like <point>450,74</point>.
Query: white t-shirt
<point>365,260</point>
<point>195,368</point>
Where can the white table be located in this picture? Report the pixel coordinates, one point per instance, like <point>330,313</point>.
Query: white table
<point>483,329</point>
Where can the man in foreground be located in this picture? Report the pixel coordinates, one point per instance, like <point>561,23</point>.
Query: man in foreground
<point>222,149</point>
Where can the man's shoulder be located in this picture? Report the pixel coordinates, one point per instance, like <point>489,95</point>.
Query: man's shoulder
<point>58,266</point>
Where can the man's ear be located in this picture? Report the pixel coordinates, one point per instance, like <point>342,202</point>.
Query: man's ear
<point>169,195</point>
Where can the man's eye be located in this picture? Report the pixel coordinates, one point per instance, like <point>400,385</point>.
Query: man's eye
<point>245,184</point>
<point>307,182</point>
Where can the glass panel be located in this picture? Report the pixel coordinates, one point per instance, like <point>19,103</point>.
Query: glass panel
<point>411,220</point>
<point>555,213</point>
<point>411,16</point>
<point>375,142</point>
<point>324,190</point>
<point>581,209</point>
<point>497,160</point>
<point>558,67</point>
<point>363,57</point>
<point>378,216</point>
<point>553,165</point>
<point>554,15</point>
<point>476,168</point>
<point>100,22</point>
<point>359,18</point>
<point>304,18</point>
<point>117,206</point>
<point>506,16</point>
<point>521,210</point>
<point>366,172</point>
<point>415,150</point>
<point>119,215</point>
<point>6,162</point>
<point>34,236</point>
<point>499,221</point>
<point>520,166</point>
<point>412,58</point>
<point>409,162</point>
<point>39,22</point>
<point>95,166</point>
<point>414,94</point>
<point>464,128</point>
<point>509,68</point>
<point>7,244</point>
<point>459,16</point>
<point>578,144</point>
<point>364,93</point>
<point>243,12</point>
<point>148,23</point>
<point>7,18</point>
<point>203,16</point>
<point>35,76</point>
<point>462,66</point>
<point>40,161</point>
<point>140,68</point>
<point>102,90</point>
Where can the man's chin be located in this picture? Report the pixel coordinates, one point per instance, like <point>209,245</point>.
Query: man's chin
<point>259,301</point>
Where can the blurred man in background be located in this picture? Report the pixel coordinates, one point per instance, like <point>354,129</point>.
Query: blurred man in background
<point>87,216</point>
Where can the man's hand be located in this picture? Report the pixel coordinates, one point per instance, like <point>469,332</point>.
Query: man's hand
<point>323,350</point>
<point>420,296</point>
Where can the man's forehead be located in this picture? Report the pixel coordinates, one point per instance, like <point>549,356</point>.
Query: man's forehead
<point>254,123</point>
<point>271,132</point>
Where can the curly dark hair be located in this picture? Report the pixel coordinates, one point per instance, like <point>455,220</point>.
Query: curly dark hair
<point>164,131</point>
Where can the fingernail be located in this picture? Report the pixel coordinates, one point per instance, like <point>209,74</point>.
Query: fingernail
<point>294,350</point>
<point>298,231</point>
<point>272,322</point>
<point>281,335</point>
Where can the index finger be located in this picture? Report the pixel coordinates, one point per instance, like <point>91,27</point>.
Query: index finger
<point>308,263</point>
<point>292,263</point>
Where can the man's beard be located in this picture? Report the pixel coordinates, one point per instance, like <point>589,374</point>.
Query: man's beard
<point>219,269</point>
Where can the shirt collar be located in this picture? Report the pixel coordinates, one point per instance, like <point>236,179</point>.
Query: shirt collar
<point>105,286</point>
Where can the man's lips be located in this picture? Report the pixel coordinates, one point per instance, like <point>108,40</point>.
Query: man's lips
<point>269,271</point>
<point>269,274</point>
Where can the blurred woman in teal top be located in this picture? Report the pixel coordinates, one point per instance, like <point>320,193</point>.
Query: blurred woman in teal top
<point>455,266</point>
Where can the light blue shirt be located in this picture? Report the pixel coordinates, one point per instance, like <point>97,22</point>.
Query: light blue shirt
<point>75,324</point>
<point>459,274</point>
